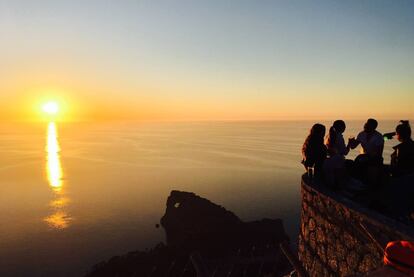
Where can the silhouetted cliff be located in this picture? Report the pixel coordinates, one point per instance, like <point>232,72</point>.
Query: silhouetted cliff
<point>222,243</point>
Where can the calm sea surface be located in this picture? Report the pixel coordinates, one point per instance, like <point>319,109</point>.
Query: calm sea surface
<point>72,195</point>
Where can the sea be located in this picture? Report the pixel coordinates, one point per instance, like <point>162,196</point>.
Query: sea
<point>75,194</point>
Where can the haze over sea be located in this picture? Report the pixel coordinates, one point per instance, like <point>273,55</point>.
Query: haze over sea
<point>72,195</point>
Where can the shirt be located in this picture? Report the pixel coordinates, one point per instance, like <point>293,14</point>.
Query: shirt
<point>371,145</point>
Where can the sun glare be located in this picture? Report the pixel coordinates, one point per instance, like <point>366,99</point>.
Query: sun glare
<point>51,108</point>
<point>54,169</point>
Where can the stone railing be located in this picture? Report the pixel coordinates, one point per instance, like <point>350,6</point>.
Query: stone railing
<point>331,240</point>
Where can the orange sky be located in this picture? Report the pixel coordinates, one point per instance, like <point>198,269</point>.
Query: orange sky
<point>249,61</point>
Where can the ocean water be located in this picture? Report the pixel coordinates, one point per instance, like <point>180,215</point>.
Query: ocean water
<point>72,195</point>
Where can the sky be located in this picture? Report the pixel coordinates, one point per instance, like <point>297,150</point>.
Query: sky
<point>207,60</point>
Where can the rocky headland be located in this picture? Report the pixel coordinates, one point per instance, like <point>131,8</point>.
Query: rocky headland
<point>203,238</point>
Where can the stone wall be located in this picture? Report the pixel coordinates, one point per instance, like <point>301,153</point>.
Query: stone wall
<point>331,241</point>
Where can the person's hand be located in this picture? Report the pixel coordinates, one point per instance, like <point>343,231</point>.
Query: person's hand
<point>352,142</point>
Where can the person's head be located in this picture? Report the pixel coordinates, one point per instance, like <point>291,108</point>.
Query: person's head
<point>339,126</point>
<point>403,131</point>
<point>318,130</point>
<point>370,125</point>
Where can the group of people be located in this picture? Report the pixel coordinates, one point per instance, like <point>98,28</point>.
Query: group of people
<point>325,155</point>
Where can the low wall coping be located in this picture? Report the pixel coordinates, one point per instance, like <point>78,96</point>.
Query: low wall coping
<point>369,215</point>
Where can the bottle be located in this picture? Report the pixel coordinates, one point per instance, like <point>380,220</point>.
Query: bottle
<point>388,136</point>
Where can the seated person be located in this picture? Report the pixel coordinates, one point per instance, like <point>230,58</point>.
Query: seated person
<point>314,150</point>
<point>402,160</point>
<point>334,166</point>
<point>371,141</point>
<point>335,141</point>
<point>367,165</point>
<point>397,196</point>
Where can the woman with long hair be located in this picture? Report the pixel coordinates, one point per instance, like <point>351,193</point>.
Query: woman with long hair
<point>314,150</point>
<point>334,166</point>
<point>335,140</point>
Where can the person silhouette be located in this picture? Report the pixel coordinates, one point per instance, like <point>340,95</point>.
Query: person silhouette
<point>314,150</point>
<point>334,167</point>
<point>402,159</point>
<point>367,166</point>
<point>372,143</point>
<point>397,196</point>
<point>335,141</point>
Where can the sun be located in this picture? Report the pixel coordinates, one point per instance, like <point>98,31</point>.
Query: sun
<point>51,107</point>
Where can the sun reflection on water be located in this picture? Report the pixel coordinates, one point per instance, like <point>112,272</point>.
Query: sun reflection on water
<point>54,168</point>
<point>59,219</point>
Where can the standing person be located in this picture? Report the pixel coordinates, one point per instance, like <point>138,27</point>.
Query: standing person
<point>402,160</point>
<point>314,150</point>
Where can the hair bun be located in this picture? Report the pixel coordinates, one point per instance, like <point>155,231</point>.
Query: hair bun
<point>405,122</point>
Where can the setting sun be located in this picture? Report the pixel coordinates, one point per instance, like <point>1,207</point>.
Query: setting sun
<point>51,108</point>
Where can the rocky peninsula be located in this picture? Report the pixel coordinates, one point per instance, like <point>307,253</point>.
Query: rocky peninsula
<point>203,238</point>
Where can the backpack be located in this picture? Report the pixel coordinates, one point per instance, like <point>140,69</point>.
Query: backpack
<point>400,255</point>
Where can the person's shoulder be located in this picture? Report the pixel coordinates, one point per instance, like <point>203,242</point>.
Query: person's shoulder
<point>405,147</point>
<point>378,136</point>
<point>410,144</point>
<point>361,135</point>
<point>397,147</point>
